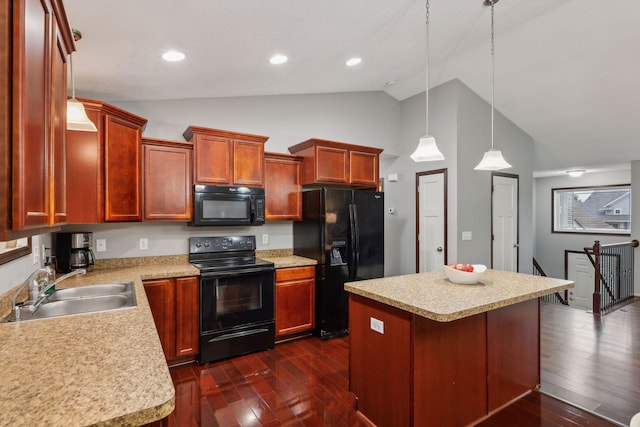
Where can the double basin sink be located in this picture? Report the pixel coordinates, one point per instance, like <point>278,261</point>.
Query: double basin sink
<point>82,299</point>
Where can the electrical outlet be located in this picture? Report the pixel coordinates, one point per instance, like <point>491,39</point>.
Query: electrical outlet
<point>101,245</point>
<point>144,244</point>
<point>377,325</point>
<point>265,239</point>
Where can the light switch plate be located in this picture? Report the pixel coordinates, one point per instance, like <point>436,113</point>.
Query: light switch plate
<point>467,235</point>
<point>265,239</point>
<point>377,325</point>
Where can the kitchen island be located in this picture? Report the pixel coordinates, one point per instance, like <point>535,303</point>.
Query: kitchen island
<point>425,351</point>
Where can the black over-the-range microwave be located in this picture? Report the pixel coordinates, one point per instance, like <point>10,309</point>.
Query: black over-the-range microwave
<point>218,205</point>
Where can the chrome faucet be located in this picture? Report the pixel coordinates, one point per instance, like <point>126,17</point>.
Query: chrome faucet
<point>43,292</point>
<point>33,276</point>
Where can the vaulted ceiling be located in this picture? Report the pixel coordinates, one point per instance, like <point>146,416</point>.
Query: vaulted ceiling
<point>566,72</point>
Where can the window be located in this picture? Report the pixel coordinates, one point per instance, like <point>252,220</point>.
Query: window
<point>592,210</point>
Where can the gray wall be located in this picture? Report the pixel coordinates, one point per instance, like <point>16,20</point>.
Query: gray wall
<point>458,119</point>
<point>474,187</point>
<point>550,246</point>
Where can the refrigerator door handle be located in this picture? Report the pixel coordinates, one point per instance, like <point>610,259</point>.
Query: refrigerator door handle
<point>355,239</point>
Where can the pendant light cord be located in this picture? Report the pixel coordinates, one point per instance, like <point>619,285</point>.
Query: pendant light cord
<point>427,72</point>
<point>493,84</point>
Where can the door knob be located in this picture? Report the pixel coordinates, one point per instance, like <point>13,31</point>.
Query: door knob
<point>516,245</point>
<point>439,249</point>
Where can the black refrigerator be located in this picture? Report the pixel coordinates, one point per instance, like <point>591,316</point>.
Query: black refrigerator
<point>343,230</point>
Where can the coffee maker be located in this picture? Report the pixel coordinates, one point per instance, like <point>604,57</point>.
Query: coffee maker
<point>73,251</point>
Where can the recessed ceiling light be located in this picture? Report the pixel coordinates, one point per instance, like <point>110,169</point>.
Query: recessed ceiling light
<point>278,59</point>
<point>173,56</point>
<point>575,173</point>
<point>353,62</point>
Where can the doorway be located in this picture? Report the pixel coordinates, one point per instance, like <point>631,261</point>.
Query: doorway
<point>578,268</point>
<point>431,220</point>
<point>504,221</point>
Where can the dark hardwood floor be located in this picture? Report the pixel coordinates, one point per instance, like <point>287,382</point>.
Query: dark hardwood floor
<point>592,361</point>
<point>305,383</point>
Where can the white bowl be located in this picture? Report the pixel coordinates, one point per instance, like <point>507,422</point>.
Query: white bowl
<point>465,277</point>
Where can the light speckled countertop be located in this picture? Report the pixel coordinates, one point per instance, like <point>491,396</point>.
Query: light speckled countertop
<point>433,296</point>
<point>105,369</point>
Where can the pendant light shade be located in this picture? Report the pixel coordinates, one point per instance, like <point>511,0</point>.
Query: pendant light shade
<point>427,150</point>
<point>492,159</point>
<point>77,118</point>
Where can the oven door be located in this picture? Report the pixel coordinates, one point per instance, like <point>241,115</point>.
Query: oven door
<point>236,298</point>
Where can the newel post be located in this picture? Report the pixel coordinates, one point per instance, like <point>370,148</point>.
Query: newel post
<point>596,291</point>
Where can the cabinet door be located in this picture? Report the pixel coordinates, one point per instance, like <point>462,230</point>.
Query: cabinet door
<point>248,160</point>
<point>213,160</point>
<point>363,168</point>
<point>282,189</point>
<point>31,114</point>
<point>84,182</point>
<point>295,300</point>
<point>161,296</point>
<point>332,165</point>
<point>122,169</point>
<point>167,183</point>
<point>187,316</point>
<point>58,194</point>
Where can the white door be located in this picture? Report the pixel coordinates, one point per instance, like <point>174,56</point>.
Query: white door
<point>505,222</point>
<point>581,271</point>
<point>431,225</point>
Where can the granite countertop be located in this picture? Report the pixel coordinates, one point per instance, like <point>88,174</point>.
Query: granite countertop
<point>105,369</point>
<point>433,296</point>
<point>289,261</point>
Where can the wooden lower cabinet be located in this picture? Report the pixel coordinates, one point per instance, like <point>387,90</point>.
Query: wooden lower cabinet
<point>295,300</point>
<point>419,372</point>
<point>175,306</point>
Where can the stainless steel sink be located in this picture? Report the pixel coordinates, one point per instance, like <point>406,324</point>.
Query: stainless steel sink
<point>116,288</point>
<point>81,300</point>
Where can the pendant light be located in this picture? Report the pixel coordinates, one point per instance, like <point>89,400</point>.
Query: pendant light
<point>77,118</point>
<point>492,159</point>
<point>427,150</point>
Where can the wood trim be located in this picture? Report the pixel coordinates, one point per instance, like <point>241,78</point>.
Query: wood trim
<point>281,156</point>
<point>164,143</point>
<point>443,171</point>
<point>16,253</point>
<point>192,130</point>
<point>115,111</point>
<point>333,144</point>
<point>6,39</point>
<point>517,178</point>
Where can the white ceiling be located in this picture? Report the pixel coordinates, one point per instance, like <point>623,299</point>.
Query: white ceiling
<point>566,70</point>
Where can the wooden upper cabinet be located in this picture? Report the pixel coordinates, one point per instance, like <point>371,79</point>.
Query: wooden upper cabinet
<point>331,162</point>
<point>283,192</point>
<point>248,166</point>
<point>227,158</point>
<point>33,89</point>
<point>168,193</point>
<point>104,168</point>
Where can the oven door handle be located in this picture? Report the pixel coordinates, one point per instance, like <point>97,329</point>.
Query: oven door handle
<point>235,273</point>
<point>239,334</point>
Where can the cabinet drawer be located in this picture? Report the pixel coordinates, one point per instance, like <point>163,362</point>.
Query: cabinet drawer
<point>294,273</point>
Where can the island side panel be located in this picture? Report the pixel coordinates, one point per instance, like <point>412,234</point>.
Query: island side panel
<point>450,371</point>
<point>380,363</point>
<point>513,352</point>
